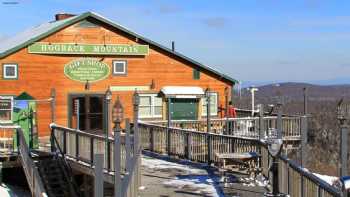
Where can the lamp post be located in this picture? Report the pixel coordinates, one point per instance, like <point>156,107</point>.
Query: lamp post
<point>108,98</point>
<point>252,92</point>
<point>117,116</point>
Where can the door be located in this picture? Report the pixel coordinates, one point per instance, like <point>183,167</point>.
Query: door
<point>87,112</point>
<point>184,109</point>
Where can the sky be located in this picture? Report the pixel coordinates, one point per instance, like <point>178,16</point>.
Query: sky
<point>253,41</point>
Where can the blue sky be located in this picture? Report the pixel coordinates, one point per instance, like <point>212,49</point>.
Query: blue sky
<point>259,41</point>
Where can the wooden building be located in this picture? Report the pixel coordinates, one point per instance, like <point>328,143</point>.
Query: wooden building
<point>81,56</point>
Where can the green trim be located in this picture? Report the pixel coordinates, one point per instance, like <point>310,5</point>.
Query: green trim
<point>3,71</point>
<point>85,15</point>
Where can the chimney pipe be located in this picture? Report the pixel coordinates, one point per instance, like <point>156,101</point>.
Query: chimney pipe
<point>62,16</point>
<point>173,46</point>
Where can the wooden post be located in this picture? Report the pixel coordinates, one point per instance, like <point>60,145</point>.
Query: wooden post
<point>261,122</point>
<point>305,101</point>
<point>53,105</point>
<point>137,143</point>
<point>168,128</point>
<point>117,163</point>
<point>344,129</point>
<point>92,150</point>
<point>208,127</point>
<point>98,175</point>
<point>151,132</point>
<point>189,146</point>
<point>304,129</point>
<point>279,121</point>
<point>127,145</point>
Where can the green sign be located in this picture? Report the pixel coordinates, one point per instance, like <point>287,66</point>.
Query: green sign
<point>86,69</point>
<point>88,49</point>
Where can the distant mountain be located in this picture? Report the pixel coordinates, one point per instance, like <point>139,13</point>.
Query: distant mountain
<point>294,91</point>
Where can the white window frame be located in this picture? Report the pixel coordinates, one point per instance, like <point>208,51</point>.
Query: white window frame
<point>153,96</point>
<point>212,113</point>
<point>12,104</point>
<point>7,65</point>
<point>124,62</point>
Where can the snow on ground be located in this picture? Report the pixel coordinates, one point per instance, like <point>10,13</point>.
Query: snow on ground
<point>12,191</point>
<point>187,178</point>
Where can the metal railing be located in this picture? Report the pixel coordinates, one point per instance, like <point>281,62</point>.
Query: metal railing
<point>32,174</point>
<point>248,127</point>
<point>295,180</point>
<point>192,145</point>
<point>201,147</point>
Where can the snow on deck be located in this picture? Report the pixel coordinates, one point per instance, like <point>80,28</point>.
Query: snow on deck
<point>183,177</point>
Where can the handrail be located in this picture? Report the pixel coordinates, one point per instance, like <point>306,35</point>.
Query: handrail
<point>65,164</point>
<point>34,180</point>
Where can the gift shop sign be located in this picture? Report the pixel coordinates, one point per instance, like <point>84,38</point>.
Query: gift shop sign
<point>86,69</point>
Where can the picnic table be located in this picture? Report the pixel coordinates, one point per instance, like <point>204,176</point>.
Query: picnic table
<point>241,159</point>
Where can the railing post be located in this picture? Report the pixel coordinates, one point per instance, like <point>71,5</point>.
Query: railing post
<point>64,142</point>
<point>92,150</point>
<point>261,122</point>
<point>189,146</point>
<point>279,121</point>
<point>117,164</point>
<point>151,132</point>
<point>107,128</point>
<point>304,129</point>
<point>53,105</point>
<point>208,127</point>
<point>52,140</point>
<point>77,146</point>
<point>98,175</point>
<point>168,128</point>
<point>137,142</point>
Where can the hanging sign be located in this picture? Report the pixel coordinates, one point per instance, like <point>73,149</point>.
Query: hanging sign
<point>88,49</point>
<point>86,69</point>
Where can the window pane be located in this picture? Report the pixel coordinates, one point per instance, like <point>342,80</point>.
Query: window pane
<point>145,111</point>
<point>145,101</point>
<point>10,71</point>
<point>158,111</point>
<point>158,101</point>
<point>5,104</point>
<point>5,115</point>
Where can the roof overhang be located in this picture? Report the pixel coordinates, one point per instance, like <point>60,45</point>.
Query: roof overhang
<point>182,92</point>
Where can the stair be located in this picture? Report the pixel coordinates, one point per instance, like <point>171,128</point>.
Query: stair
<point>54,176</point>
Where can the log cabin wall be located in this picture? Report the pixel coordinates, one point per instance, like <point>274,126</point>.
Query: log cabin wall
<point>39,73</point>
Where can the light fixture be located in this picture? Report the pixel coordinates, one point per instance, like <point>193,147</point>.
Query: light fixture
<point>117,112</point>
<point>87,85</point>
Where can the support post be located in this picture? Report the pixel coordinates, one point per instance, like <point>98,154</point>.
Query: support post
<point>344,129</point>
<point>226,112</point>
<point>107,128</point>
<point>305,101</point>
<point>208,127</point>
<point>98,175</point>
<point>261,122</point>
<point>151,132</point>
<point>304,129</point>
<point>117,163</point>
<point>168,128</point>
<point>53,105</point>
<point>137,143</point>
<point>279,121</point>
<point>189,146</point>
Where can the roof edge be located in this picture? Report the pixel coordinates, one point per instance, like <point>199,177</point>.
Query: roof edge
<point>80,17</point>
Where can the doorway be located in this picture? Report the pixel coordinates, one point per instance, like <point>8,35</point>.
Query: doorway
<point>86,112</point>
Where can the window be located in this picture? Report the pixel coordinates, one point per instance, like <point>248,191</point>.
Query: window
<point>196,74</point>
<point>10,71</point>
<point>119,67</point>
<point>213,104</point>
<point>151,106</point>
<point>6,105</point>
